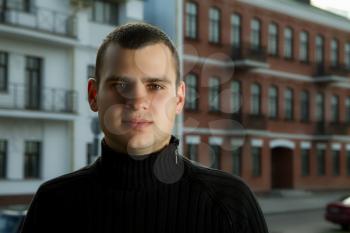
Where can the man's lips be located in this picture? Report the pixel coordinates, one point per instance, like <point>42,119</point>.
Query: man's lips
<point>137,123</point>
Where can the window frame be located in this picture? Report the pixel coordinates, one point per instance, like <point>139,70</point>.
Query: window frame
<point>304,46</point>
<point>28,173</point>
<point>214,25</point>
<point>191,20</point>
<point>288,40</point>
<point>194,103</point>
<point>273,34</point>
<point>4,68</point>
<point>214,89</point>
<point>255,99</point>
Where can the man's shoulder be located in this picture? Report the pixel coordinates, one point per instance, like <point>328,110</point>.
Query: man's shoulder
<point>232,195</point>
<point>218,181</point>
<point>78,178</point>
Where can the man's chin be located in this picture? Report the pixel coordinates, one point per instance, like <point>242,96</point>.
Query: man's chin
<point>139,144</point>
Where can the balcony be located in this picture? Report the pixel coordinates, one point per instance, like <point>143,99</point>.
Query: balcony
<point>331,128</point>
<point>31,99</point>
<point>246,56</point>
<point>331,74</point>
<point>251,121</point>
<point>39,19</point>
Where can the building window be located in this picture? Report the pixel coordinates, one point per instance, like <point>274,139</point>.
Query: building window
<point>348,162</point>
<point>288,43</point>
<point>255,34</point>
<point>237,161</point>
<point>273,39</point>
<point>236,30</point>
<point>256,161</point>
<point>304,46</point>
<point>3,158</point>
<point>255,91</point>
<point>321,168</point>
<point>334,52</point>
<point>90,71</point>
<point>319,107</point>
<point>104,11</point>
<point>32,158</point>
<point>305,162</point>
<point>214,95</point>
<point>304,105</point>
<point>191,92</point>
<point>335,108</point>
<point>347,109</point>
<point>214,25</point>
<point>191,20</point>
<point>33,82</point>
<point>319,50</point>
<point>336,162</point>
<point>17,5</point>
<point>3,71</point>
<point>288,104</point>
<point>192,150</point>
<point>215,156</point>
<point>89,152</point>
<point>347,56</point>
<point>273,102</point>
<point>236,96</point>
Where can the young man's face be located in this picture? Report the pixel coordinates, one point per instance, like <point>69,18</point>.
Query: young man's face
<point>136,99</point>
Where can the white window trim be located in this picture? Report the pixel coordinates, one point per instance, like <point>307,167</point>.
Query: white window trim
<point>257,142</point>
<point>336,146</point>
<point>193,139</point>
<point>305,145</point>
<point>215,141</point>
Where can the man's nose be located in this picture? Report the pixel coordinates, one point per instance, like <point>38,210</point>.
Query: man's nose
<point>137,98</point>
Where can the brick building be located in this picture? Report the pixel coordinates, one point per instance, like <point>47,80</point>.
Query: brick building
<point>268,93</point>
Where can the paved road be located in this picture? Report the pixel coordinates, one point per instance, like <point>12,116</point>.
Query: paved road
<point>301,222</point>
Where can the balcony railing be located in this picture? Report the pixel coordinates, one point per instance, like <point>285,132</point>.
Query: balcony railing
<point>330,128</point>
<point>251,121</point>
<point>247,51</point>
<point>25,97</point>
<point>40,19</point>
<point>338,70</point>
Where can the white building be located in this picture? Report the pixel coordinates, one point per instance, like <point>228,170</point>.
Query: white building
<point>47,49</point>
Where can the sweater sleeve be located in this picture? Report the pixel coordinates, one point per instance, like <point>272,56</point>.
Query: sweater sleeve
<point>37,215</point>
<point>243,211</point>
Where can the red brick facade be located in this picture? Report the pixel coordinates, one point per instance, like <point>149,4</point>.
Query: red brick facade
<point>280,139</point>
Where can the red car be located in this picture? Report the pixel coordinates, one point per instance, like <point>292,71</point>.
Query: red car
<point>338,212</point>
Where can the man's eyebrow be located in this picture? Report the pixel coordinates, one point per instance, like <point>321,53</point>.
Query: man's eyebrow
<point>156,80</point>
<point>146,79</point>
<point>117,78</point>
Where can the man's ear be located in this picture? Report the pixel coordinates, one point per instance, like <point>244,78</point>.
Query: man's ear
<point>92,94</point>
<point>181,92</point>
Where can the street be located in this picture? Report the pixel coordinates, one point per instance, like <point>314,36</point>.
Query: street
<point>301,222</point>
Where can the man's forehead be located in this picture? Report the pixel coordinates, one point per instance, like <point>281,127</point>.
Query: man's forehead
<point>152,60</point>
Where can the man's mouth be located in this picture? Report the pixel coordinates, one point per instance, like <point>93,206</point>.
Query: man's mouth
<point>137,123</point>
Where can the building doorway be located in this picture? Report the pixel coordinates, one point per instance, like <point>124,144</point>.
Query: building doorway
<point>281,168</point>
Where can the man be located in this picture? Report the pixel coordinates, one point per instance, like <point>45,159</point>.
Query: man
<point>140,183</point>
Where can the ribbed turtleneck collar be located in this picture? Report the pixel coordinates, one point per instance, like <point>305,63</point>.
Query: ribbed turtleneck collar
<point>124,171</point>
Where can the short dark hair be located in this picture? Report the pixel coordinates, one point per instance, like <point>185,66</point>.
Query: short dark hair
<point>135,36</point>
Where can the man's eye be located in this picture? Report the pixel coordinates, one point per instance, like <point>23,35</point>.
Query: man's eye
<point>120,86</point>
<point>155,87</point>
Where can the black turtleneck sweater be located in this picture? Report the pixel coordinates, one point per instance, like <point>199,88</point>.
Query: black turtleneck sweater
<point>161,192</point>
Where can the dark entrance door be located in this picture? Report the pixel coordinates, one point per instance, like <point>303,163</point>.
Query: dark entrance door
<point>281,168</point>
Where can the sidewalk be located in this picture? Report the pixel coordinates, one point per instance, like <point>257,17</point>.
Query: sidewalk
<point>283,201</point>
